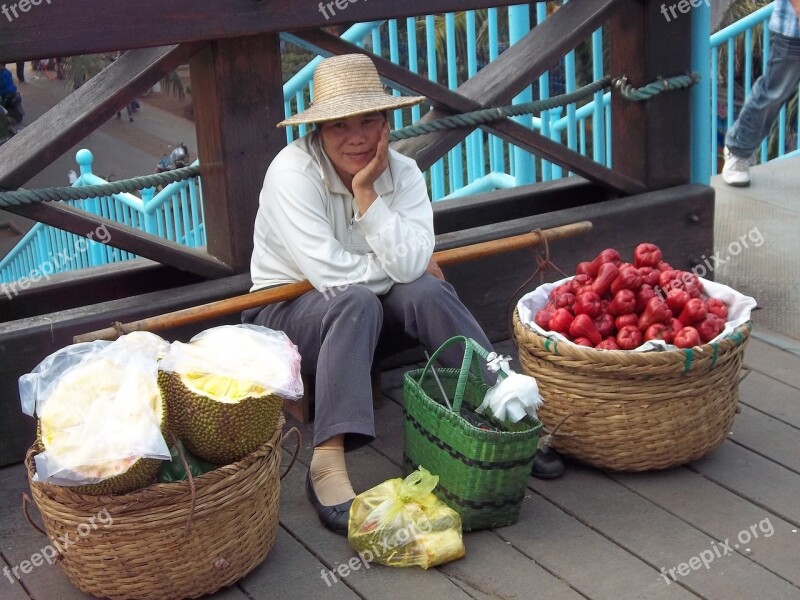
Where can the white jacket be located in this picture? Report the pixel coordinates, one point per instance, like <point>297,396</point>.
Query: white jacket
<point>308,225</point>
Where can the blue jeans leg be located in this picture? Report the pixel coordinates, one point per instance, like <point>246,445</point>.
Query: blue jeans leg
<point>777,84</point>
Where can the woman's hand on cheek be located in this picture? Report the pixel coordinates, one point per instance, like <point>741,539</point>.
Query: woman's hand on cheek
<point>364,180</point>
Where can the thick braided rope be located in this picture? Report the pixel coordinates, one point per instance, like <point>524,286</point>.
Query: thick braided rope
<point>135,184</point>
<point>651,89</point>
<point>486,115</point>
<point>477,117</point>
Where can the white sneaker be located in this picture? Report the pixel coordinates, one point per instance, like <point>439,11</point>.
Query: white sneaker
<point>736,171</point>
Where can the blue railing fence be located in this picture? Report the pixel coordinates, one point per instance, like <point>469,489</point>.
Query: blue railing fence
<point>174,213</point>
<point>448,49</point>
<point>453,47</point>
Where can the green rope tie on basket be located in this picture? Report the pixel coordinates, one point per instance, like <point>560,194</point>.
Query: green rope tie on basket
<point>82,192</point>
<point>687,365</point>
<point>555,345</point>
<point>737,337</point>
<point>715,355</point>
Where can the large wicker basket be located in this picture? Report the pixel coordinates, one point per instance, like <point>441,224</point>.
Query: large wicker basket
<point>167,541</point>
<point>643,410</point>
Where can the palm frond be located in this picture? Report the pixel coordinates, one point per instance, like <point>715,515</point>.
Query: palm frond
<point>80,69</point>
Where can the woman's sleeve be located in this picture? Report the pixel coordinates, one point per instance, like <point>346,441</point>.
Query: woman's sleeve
<point>401,233</point>
<point>294,206</point>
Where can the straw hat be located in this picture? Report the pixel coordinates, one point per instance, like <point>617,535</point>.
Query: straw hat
<point>345,86</point>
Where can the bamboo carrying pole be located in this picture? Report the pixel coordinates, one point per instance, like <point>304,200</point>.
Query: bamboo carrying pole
<point>290,291</point>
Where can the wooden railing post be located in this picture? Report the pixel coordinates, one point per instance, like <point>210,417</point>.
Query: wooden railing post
<point>238,99</point>
<point>651,139</point>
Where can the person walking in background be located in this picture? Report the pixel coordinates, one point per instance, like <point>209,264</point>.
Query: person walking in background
<point>7,87</point>
<point>21,72</point>
<point>770,91</point>
<point>129,108</point>
<point>10,99</point>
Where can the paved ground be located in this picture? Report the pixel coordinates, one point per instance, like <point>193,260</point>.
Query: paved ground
<point>121,149</point>
<point>757,243</point>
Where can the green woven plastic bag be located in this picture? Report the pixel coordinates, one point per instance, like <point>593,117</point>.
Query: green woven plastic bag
<point>483,464</point>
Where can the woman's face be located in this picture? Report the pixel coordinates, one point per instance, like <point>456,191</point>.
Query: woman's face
<point>352,142</point>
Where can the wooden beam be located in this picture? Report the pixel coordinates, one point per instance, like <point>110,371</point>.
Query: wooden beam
<point>84,110</point>
<point>538,51</point>
<point>94,26</point>
<point>652,138</point>
<point>238,98</point>
<point>627,43</point>
<point>498,83</point>
<point>449,101</point>
<point>123,237</point>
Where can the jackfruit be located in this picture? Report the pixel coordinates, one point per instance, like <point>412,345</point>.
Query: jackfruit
<point>225,389</point>
<point>101,415</point>
<point>217,428</point>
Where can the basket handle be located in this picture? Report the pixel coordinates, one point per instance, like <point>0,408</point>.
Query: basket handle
<point>190,478</point>
<point>296,431</point>
<point>471,347</point>
<point>26,501</point>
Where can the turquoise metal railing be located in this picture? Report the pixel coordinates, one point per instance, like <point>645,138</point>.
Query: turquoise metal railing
<point>448,49</point>
<point>746,37</point>
<point>453,47</point>
<point>174,213</point>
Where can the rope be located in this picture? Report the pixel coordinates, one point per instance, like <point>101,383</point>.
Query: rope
<point>486,115</point>
<point>135,184</point>
<point>469,119</point>
<point>651,89</point>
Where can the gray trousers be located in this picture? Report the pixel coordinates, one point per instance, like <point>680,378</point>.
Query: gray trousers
<point>337,333</point>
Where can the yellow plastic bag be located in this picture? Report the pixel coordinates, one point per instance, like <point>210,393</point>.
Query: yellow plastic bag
<point>400,523</point>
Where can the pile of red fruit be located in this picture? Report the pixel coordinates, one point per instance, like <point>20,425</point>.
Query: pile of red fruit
<point>614,305</point>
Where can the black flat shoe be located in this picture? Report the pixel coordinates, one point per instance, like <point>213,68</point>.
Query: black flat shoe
<point>336,517</point>
<point>547,464</point>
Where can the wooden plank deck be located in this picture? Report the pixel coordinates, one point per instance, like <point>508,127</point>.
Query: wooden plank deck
<point>589,534</point>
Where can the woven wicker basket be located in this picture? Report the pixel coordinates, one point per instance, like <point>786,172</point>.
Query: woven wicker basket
<point>644,410</point>
<point>167,541</point>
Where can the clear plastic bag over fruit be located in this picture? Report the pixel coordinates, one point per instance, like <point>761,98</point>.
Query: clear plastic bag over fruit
<point>99,408</point>
<point>401,523</point>
<point>232,362</point>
